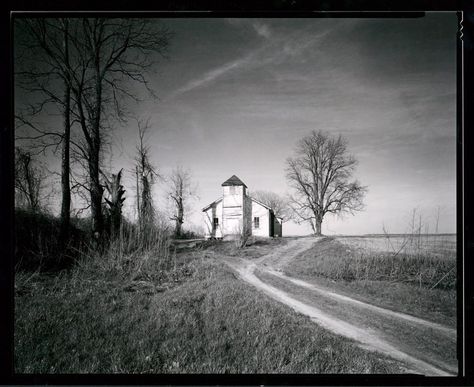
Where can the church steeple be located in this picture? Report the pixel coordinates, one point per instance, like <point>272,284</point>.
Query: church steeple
<point>233,180</point>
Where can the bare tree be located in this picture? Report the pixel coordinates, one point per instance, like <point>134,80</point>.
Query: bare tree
<point>40,77</point>
<point>279,204</point>
<point>320,174</point>
<point>104,56</point>
<point>117,51</point>
<point>29,181</point>
<point>181,189</point>
<point>146,174</point>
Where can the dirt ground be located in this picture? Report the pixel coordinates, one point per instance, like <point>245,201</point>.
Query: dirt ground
<point>425,347</point>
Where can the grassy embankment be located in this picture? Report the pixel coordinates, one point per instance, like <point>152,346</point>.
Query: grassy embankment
<point>154,311</point>
<point>416,282</point>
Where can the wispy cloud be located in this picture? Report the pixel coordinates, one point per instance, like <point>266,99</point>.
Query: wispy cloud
<point>261,29</point>
<point>210,76</point>
<point>276,49</point>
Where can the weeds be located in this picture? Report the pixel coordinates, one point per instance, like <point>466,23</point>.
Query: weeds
<point>422,285</point>
<point>339,261</point>
<point>211,323</point>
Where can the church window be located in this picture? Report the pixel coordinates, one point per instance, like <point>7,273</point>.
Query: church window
<point>256,222</point>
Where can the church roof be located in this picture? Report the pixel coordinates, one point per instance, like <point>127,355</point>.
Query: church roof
<point>210,205</point>
<point>262,204</point>
<point>234,180</point>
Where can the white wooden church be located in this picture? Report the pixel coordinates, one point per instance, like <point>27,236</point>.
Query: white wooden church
<point>236,212</point>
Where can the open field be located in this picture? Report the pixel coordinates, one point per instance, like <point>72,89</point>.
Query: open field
<point>194,314</point>
<point>204,320</point>
<point>344,259</point>
<point>423,343</point>
<point>442,246</point>
<point>422,284</point>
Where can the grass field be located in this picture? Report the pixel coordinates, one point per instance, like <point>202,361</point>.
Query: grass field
<point>201,320</point>
<point>441,246</point>
<point>420,283</point>
<point>154,310</point>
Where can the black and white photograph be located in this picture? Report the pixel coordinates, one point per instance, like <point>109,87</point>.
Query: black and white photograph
<point>236,195</point>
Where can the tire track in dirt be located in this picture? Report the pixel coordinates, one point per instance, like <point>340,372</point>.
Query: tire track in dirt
<point>370,341</point>
<point>429,324</point>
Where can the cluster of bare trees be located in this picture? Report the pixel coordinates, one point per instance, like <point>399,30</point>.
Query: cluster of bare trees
<point>179,186</point>
<point>84,70</point>
<point>278,203</point>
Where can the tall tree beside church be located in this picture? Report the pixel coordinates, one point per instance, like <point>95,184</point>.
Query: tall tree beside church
<point>320,174</point>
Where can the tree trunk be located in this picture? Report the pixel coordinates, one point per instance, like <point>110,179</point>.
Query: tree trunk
<point>65,165</point>
<point>138,196</point>
<point>96,192</point>
<point>115,203</point>
<point>29,183</point>
<point>179,219</point>
<point>94,154</point>
<point>65,171</point>
<point>146,219</point>
<point>318,222</point>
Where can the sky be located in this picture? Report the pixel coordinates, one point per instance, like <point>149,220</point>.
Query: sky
<point>235,96</point>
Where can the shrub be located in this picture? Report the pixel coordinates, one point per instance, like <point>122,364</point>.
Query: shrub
<point>190,234</point>
<point>134,253</point>
<point>37,245</point>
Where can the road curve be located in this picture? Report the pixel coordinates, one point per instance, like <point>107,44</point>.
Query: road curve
<point>342,309</point>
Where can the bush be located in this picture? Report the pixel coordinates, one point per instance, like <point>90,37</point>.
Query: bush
<point>189,234</point>
<point>37,244</point>
<point>134,253</point>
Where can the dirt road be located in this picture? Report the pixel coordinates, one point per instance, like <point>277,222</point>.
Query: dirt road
<point>423,346</point>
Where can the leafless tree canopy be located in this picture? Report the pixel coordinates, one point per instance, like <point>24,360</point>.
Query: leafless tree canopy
<point>279,204</point>
<point>98,59</point>
<point>320,175</point>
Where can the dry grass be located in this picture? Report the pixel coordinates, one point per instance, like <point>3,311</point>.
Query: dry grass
<point>334,260</point>
<point>441,246</point>
<point>402,282</point>
<point>209,322</point>
<point>255,247</point>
